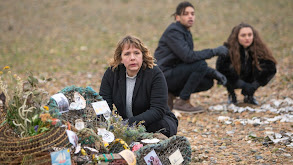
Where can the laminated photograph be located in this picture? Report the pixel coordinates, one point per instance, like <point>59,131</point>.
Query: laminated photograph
<point>61,157</point>
<point>62,102</point>
<point>152,158</point>
<point>72,137</point>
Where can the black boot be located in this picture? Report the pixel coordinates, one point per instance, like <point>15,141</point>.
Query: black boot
<point>222,80</point>
<point>232,99</point>
<point>250,100</point>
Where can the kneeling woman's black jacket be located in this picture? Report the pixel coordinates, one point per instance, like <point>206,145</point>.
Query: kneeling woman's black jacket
<point>149,101</point>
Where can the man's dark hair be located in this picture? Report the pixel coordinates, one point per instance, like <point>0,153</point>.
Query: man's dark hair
<point>181,8</point>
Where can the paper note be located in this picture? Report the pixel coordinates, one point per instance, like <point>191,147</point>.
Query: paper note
<point>176,158</point>
<point>101,107</point>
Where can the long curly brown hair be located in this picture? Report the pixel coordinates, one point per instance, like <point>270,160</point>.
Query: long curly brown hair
<point>258,49</point>
<point>147,60</point>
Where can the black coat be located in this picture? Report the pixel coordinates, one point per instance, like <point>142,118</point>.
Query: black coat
<point>249,73</point>
<point>176,46</point>
<point>149,101</point>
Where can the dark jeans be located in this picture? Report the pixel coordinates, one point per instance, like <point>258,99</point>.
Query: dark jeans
<point>185,79</point>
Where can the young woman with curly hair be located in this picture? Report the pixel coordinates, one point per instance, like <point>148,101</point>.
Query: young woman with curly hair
<point>250,63</point>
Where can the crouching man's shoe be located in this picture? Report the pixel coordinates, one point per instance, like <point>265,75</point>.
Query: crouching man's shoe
<point>250,100</point>
<point>184,106</point>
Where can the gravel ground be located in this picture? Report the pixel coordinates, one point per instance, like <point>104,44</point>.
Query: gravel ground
<point>224,135</point>
<point>226,140</point>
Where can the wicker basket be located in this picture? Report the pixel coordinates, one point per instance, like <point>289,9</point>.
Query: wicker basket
<point>30,150</point>
<point>2,114</point>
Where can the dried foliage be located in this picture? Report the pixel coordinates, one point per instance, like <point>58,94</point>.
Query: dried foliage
<point>24,103</point>
<point>128,133</point>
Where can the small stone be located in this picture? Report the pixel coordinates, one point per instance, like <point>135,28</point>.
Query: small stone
<point>226,154</point>
<point>194,120</point>
<point>237,159</point>
<point>189,119</point>
<point>258,157</point>
<point>252,135</point>
<point>215,143</point>
<point>237,122</point>
<point>222,147</point>
<point>287,155</point>
<point>265,143</point>
<point>195,159</point>
<point>278,135</point>
<point>230,133</point>
<point>202,156</point>
<point>206,133</point>
<point>269,128</point>
<point>261,129</point>
<point>213,160</point>
<point>269,133</point>
<point>195,148</point>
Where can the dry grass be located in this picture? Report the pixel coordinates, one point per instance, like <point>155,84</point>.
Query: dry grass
<point>49,36</point>
<point>71,41</point>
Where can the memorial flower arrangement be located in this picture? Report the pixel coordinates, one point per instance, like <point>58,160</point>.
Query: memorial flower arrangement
<point>24,103</point>
<point>128,133</point>
<point>89,138</point>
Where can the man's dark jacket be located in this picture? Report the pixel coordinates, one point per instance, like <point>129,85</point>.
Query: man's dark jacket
<point>149,101</point>
<point>176,46</point>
